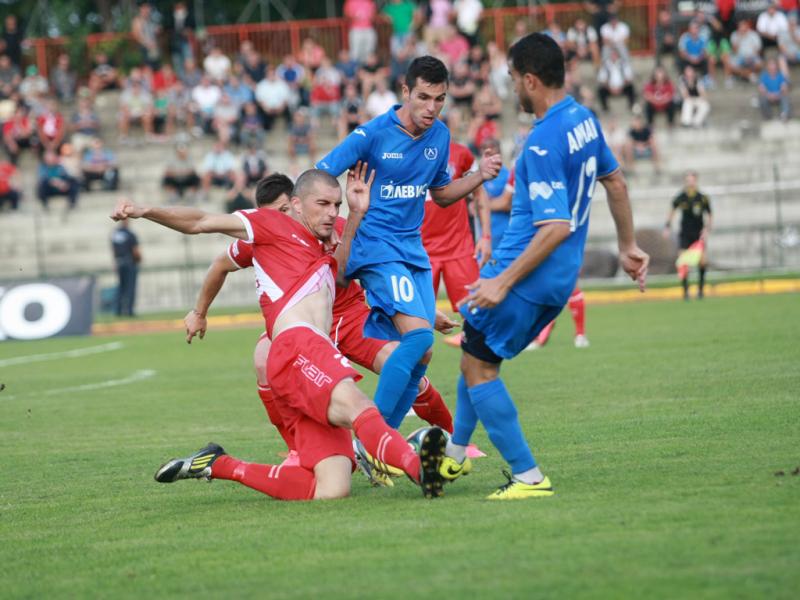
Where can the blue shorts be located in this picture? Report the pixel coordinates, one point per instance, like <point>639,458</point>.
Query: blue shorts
<point>506,329</point>
<point>393,288</point>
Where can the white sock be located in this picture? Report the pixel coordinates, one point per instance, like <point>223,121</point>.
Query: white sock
<point>455,451</point>
<point>531,476</point>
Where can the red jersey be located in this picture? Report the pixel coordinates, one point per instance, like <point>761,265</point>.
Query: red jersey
<point>7,171</point>
<point>241,253</point>
<point>445,231</point>
<point>290,263</point>
<point>50,124</point>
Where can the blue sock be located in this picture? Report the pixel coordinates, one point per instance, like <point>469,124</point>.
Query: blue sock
<point>497,412</point>
<point>408,397</point>
<point>466,418</point>
<point>397,370</point>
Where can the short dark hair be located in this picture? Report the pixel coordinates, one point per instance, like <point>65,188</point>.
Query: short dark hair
<point>270,188</point>
<point>539,55</point>
<point>308,178</point>
<point>427,68</point>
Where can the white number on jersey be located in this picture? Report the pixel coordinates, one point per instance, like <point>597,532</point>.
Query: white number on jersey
<point>588,171</point>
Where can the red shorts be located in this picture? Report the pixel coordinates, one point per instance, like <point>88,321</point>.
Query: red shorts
<point>458,274</point>
<point>303,368</point>
<point>348,334</point>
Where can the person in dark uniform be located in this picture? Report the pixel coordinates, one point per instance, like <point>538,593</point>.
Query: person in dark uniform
<point>695,209</point>
<point>126,257</point>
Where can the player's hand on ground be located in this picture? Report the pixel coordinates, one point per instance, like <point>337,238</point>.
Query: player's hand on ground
<point>484,293</point>
<point>443,323</point>
<point>359,183</point>
<point>196,324</point>
<point>126,209</point>
<point>489,165</point>
<point>483,251</point>
<point>635,262</point>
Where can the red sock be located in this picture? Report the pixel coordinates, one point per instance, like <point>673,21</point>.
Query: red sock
<point>284,483</point>
<point>430,407</point>
<point>544,334</point>
<point>577,306</point>
<point>268,400</point>
<point>384,443</point>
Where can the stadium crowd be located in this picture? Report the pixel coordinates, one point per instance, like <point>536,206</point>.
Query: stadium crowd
<point>184,89</point>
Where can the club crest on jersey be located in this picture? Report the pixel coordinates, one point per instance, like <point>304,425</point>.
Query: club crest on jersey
<point>389,191</point>
<point>431,153</point>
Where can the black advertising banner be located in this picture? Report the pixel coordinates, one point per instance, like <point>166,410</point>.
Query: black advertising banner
<point>42,309</point>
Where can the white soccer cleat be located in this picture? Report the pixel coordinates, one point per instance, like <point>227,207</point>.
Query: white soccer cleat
<point>581,341</point>
<point>534,345</point>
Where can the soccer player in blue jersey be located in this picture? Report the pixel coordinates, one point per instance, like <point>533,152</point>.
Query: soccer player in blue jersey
<point>408,147</point>
<point>535,267</point>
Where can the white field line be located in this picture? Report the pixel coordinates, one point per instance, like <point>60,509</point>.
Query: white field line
<point>78,352</point>
<point>140,375</point>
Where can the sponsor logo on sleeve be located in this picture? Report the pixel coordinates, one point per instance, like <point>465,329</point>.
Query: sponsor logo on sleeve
<point>538,189</point>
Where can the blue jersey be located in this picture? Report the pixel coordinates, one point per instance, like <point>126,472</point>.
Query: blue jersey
<point>555,177</point>
<point>495,188</point>
<point>405,168</point>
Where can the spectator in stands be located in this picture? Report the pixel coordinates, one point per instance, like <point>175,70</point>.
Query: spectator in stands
<point>439,13</point>
<point>84,125</point>
<point>239,92</point>
<point>641,144</point>
<point>12,39</point>
<point>50,127</point>
<point>693,49</point>
<point>453,46</point>
<point>615,78</point>
<point>180,107</point>
<point>18,133</point>
<point>145,31</point>
<point>582,43</point>
<point>164,112</point>
<point>468,16</point>
<point>770,24</point>
<point>251,132</point>
<point>695,106</point>
<point>401,15</point>
<point>55,181</point>
<point>789,44</point>
<point>360,15</point>
<point>478,65</point>
<point>205,98</point>
<point>326,92</point>
<point>71,161</point>
<point>462,88</point>
<point>135,106</point>
<point>554,32</point>
<point>100,164</point>
<point>254,165</point>
<point>302,143</point>
<point>225,119</point>
<point>9,186</point>
<point>488,103</point>
<point>33,87</point>
<point>718,47</point>
<point>615,35</point>
<point>163,79</point>
<point>238,197</point>
<point>746,56</point>
<point>253,64</point>
<point>600,11</point>
<point>127,257</point>
<point>219,168</point>
<point>659,96</point>
<point>380,99</point>
<point>481,128</point>
<point>192,75</point>
<point>666,35</point>
<point>347,67</point>
<point>352,113</point>
<point>217,65</point>
<point>180,175</point>
<point>773,91</point>
<point>9,77</point>
<point>499,78</point>
<point>274,96</point>
<point>63,79</point>
<point>104,75</point>
<point>294,75</point>
<point>401,61</point>
<point>181,29</point>
<point>370,73</point>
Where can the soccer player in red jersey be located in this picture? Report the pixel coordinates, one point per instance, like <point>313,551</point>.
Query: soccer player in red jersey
<point>577,307</point>
<point>314,384</point>
<point>349,314</point>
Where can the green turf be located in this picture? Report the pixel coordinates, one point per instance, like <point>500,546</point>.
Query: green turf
<point>662,439</point>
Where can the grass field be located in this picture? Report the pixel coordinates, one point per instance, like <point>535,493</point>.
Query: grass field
<point>663,440</point>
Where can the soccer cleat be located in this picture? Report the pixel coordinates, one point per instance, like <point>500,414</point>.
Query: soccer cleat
<point>292,459</point>
<point>451,469</point>
<point>534,345</point>
<point>196,466</point>
<point>517,490</point>
<point>581,341</point>
<point>369,466</point>
<point>431,452</point>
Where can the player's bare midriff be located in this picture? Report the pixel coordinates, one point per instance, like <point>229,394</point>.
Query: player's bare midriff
<point>315,309</point>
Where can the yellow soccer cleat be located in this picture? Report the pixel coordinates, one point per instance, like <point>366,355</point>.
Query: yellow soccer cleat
<point>451,469</point>
<point>516,490</point>
<point>375,470</point>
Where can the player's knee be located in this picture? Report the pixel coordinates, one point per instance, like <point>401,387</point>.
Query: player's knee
<point>347,402</point>
<point>333,476</point>
<point>420,340</point>
<point>383,355</point>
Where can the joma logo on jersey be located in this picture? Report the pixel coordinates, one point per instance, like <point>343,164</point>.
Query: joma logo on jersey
<point>392,155</point>
<point>389,191</point>
<point>311,371</point>
<point>581,135</point>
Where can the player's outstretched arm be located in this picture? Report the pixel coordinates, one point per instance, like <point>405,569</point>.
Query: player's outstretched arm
<point>357,192</point>
<point>483,247</point>
<point>488,168</point>
<point>182,218</point>
<point>195,320</point>
<point>633,259</point>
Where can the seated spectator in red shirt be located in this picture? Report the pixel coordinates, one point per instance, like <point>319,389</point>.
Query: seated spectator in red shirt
<point>453,45</point>
<point>9,185</point>
<point>50,126</point>
<point>18,133</point>
<point>163,79</point>
<point>326,91</point>
<point>659,96</point>
<point>480,129</point>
